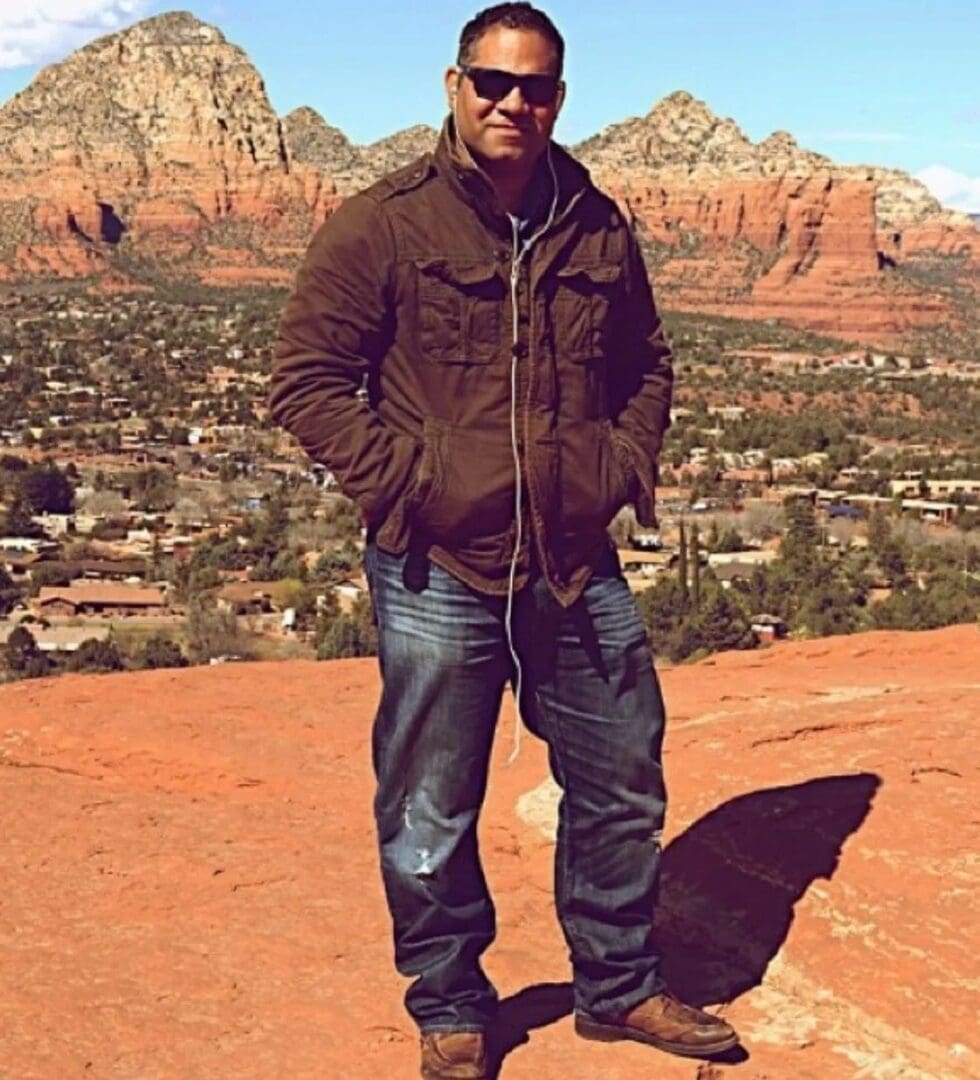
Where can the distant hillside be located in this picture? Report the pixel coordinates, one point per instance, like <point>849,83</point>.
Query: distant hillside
<point>154,154</point>
<point>314,142</point>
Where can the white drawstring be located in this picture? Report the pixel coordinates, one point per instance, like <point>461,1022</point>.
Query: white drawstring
<point>519,254</point>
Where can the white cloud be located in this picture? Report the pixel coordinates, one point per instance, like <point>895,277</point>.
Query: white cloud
<point>953,189</point>
<point>36,31</point>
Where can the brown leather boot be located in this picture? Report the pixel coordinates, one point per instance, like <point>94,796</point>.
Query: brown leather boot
<point>666,1023</point>
<point>454,1055</point>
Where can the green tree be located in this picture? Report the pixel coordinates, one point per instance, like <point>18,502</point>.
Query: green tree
<point>160,651</point>
<point>720,623</point>
<point>830,609</point>
<point>695,568</point>
<point>887,549</point>
<point>725,541</point>
<point>295,594</point>
<point>94,655</point>
<point>800,546</point>
<point>153,489</point>
<point>24,660</point>
<point>17,520</point>
<point>212,633</point>
<point>682,563</point>
<point>348,635</point>
<point>663,608</point>
<point>949,597</point>
<point>46,574</point>
<point>9,591</point>
<point>46,490</point>
<point>337,563</point>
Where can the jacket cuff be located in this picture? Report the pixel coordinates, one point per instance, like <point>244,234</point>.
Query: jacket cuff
<point>642,470</point>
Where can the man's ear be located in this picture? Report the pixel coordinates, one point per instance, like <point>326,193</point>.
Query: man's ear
<point>452,86</point>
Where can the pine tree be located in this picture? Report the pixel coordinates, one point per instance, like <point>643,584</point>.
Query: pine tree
<point>713,539</point>
<point>682,563</point>
<point>721,624</point>
<point>695,567</point>
<point>801,542</point>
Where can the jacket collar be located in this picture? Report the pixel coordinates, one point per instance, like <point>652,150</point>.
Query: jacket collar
<point>471,184</point>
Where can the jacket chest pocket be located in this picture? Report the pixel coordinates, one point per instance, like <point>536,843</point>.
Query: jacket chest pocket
<point>459,308</point>
<point>583,310</point>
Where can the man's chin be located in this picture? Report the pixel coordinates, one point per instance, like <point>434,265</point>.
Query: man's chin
<point>509,154</point>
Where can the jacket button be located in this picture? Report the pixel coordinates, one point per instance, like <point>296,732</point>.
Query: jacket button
<point>519,350</point>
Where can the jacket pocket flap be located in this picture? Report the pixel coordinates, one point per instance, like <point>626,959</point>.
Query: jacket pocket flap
<point>457,272</point>
<point>598,273</point>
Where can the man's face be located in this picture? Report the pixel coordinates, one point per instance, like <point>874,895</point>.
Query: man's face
<point>511,131</point>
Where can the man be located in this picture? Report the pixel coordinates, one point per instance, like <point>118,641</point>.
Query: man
<point>518,389</point>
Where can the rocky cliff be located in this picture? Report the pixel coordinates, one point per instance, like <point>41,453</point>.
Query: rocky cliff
<point>190,882</point>
<point>158,142</point>
<point>771,229</point>
<point>682,138</point>
<point>352,167</point>
<point>154,153</point>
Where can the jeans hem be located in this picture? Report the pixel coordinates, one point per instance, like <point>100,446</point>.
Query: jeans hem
<point>623,1005</point>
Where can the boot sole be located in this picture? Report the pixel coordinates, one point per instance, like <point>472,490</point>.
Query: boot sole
<point>595,1029</point>
<point>428,1074</point>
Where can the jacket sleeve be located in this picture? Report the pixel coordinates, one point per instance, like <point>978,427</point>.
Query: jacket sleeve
<point>640,385</point>
<point>335,328</point>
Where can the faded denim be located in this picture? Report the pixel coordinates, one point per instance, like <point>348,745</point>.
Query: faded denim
<point>590,691</point>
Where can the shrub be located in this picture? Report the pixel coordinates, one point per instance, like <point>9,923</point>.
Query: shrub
<point>212,633</point>
<point>97,656</point>
<point>160,651</point>
<point>340,636</point>
<point>23,658</point>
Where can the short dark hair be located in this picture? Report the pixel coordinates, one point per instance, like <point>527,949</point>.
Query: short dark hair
<point>515,16</point>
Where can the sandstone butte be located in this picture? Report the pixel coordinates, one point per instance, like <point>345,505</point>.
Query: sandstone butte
<point>154,153</point>
<point>190,885</point>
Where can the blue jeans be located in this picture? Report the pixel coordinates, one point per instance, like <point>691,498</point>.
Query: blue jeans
<point>590,691</point>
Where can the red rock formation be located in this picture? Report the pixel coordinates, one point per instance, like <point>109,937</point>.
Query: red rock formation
<point>159,141</point>
<point>803,250</point>
<point>772,230</point>
<point>190,882</point>
<point>159,132</point>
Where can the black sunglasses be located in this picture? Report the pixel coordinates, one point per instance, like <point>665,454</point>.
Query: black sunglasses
<point>492,84</point>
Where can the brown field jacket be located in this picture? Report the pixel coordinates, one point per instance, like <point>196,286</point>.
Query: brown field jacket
<point>409,287</point>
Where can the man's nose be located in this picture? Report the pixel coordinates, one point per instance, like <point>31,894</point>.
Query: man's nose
<point>514,102</point>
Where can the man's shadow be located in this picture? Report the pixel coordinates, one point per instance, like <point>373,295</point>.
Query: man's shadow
<point>729,884</point>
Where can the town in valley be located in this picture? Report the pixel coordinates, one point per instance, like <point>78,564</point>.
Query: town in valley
<point>152,514</point>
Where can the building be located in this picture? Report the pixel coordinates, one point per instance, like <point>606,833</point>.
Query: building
<point>642,568</point>
<point>58,639</point>
<point>99,599</point>
<point>245,597</point>
<point>915,486</point>
<point>944,513</point>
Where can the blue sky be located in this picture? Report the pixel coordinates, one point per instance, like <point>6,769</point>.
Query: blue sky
<point>889,82</point>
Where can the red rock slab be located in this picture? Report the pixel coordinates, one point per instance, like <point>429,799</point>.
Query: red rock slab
<point>191,886</point>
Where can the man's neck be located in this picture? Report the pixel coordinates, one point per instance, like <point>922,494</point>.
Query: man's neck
<point>512,182</point>
<point>512,188</point>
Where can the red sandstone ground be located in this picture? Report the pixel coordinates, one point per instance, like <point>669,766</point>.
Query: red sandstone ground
<point>190,886</point>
